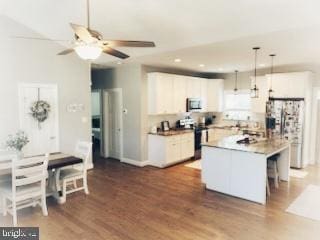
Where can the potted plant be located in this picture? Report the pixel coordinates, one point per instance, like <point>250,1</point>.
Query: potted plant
<point>17,141</point>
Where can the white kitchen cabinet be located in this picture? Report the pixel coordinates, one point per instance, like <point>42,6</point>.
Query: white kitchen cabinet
<point>193,87</point>
<point>179,94</point>
<point>258,105</point>
<point>187,146</point>
<point>215,93</point>
<point>160,93</point>
<point>167,150</point>
<point>290,85</point>
<point>168,93</point>
<point>204,93</point>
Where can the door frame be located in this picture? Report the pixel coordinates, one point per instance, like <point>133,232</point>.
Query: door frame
<point>22,85</point>
<point>106,133</point>
<point>314,125</point>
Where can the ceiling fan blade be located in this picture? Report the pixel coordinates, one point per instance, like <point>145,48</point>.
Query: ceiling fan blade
<point>41,39</point>
<point>114,52</point>
<point>65,52</point>
<point>123,43</point>
<point>82,32</point>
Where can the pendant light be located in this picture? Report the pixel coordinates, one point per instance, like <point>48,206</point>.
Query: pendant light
<point>255,90</point>
<point>271,91</point>
<point>235,90</point>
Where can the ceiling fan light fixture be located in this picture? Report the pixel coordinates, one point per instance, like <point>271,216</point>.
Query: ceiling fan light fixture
<point>88,52</point>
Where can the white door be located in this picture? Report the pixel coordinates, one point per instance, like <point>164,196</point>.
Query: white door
<point>43,136</point>
<point>113,118</point>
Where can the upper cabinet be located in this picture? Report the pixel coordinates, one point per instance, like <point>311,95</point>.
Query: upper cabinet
<point>284,85</point>
<point>168,93</point>
<point>160,93</point>
<point>290,85</point>
<point>215,91</point>
<point>179,94</point>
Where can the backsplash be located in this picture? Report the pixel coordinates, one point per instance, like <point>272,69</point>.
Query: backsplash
<point>154,120</point>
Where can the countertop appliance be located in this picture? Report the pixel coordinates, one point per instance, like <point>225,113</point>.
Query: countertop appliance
<point>289,121</point>
<point>194,104</point>
<point>186,123</point>
<point>165,126</point>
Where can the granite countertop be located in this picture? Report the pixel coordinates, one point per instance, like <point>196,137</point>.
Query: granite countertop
<point>263,146</point>
<point>173,132</point>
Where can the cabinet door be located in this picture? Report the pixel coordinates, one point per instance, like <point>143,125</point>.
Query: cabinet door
<point>258,105</point>
<point>290,84</point>
<point>173,151</point>
<point>160,93</point>
<point>215,89</point>
<point>193,87</point>
<point>187,146</point>
<point>179,94</point>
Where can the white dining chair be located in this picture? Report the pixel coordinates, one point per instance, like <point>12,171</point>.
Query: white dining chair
<point>68,176</point>
<point>5,175</point>
<point>28,186</point>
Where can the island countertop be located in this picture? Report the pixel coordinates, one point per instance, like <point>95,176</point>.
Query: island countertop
<point>263,146</point>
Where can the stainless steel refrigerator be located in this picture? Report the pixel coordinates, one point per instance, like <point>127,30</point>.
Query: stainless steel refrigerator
<point>289,120</point>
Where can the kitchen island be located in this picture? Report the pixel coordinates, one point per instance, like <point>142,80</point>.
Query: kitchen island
<point>240,170</point>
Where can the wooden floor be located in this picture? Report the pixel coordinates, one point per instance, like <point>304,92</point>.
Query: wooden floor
<point>128,202</point>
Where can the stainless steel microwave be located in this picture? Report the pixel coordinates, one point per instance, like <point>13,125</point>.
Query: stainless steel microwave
<point>194,105</point>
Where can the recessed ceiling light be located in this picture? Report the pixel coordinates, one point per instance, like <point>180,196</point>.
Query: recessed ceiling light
<point>119,63</point>
<point>262,65</point>
<point>201,65</point>
<point>177,60</point>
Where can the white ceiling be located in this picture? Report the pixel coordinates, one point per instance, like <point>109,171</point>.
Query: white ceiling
<point>217,33</point>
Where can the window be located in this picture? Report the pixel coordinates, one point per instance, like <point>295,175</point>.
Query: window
<point>237,106</point>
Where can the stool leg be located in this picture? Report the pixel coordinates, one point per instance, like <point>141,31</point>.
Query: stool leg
<point>268,187</point>
<point>276,175</point>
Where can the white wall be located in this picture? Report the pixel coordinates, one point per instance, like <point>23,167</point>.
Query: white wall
<point>95,103</point>
<point>31,61</point>
<point>128,78</point>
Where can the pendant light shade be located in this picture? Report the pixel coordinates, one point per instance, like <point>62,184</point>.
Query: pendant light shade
<point>255,90</point>
<point>235,90</point>
<point>271,91</point>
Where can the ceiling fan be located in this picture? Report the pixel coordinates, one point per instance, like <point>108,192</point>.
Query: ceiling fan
<point>89,43</point>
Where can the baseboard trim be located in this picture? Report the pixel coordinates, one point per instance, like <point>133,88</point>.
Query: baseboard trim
<point>134,162</point>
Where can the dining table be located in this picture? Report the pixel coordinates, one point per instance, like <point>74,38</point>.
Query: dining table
<point>56,161</point>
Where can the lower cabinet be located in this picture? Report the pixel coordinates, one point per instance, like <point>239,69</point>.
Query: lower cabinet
<point>167,150</point>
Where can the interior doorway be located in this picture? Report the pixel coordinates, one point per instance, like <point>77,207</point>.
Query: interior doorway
<point>113,123</point>
<point>97,123</point>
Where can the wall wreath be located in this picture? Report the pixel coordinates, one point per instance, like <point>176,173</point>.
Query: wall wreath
<point>40,110</point>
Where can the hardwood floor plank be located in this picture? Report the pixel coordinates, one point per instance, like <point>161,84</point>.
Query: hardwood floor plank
<point>132,203</point>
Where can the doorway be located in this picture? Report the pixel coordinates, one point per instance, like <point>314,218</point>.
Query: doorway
<point>97,123</point>
<point>113,125</point>
<point>43,136</point>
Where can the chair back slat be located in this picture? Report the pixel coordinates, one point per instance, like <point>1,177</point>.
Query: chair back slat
<point>28,180</point>
<point>25,162</point>
<point>36,169</point>
<point>29,170</point>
